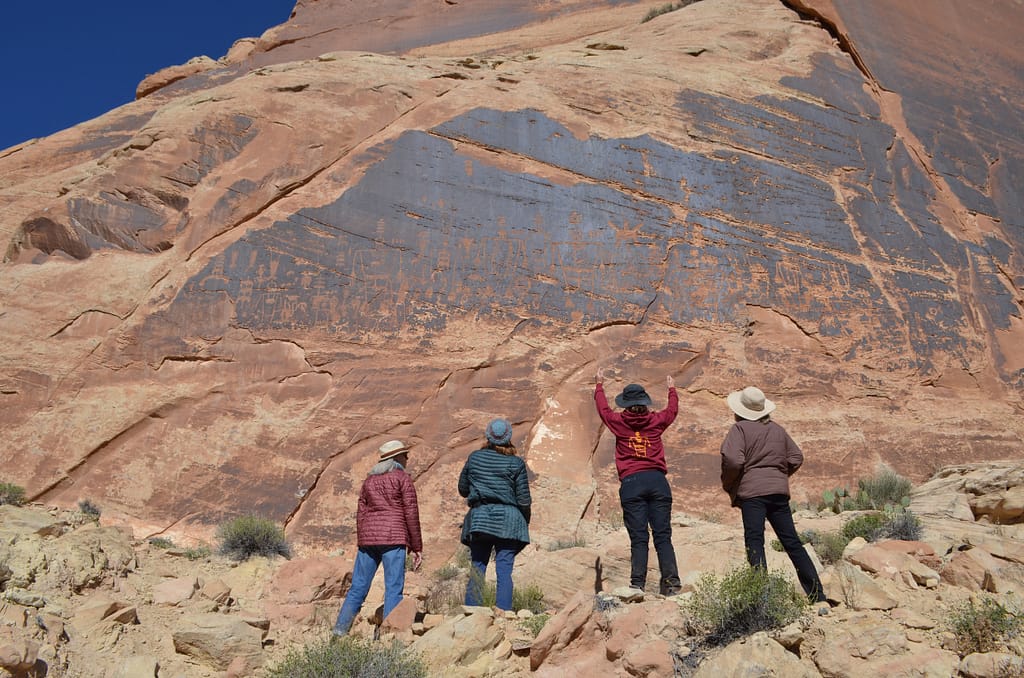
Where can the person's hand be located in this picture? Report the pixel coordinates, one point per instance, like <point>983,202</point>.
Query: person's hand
<point>600,375</point>
<point>417,560</point>
<point>670,382</point>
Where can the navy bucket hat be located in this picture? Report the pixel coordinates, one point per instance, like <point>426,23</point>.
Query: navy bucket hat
<point>633,394</point>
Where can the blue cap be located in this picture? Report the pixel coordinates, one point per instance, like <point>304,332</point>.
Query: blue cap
<point>499,432</point>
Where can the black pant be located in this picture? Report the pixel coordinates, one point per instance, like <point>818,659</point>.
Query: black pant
<point>775,507</point>
<point>647,501</point>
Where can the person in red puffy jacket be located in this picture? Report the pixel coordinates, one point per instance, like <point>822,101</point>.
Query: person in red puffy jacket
<point>387,525</point>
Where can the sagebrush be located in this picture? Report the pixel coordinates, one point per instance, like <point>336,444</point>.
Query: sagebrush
<point>742,602</point>
<point>11,494</point>
<point>884,488</point>
<point>893,523</point>
<point>534,624</point>
<point>349,657</point>
<point>247,536</point>
<point>984,626</point>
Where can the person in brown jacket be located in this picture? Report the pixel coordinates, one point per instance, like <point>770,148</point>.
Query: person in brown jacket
<point>387,523</point>
<point>758,457</point>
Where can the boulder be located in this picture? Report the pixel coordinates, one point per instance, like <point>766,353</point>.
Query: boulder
<point>216,640</point>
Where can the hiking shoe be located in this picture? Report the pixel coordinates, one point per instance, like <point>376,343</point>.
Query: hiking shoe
<point>670,586</point>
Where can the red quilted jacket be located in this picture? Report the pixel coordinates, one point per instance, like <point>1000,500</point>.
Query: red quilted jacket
<point>388,512</point>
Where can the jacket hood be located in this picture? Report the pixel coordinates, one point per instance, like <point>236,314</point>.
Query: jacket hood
<point>634,420</point>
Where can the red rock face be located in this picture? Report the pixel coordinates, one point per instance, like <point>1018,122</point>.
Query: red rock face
<point>221,298</point>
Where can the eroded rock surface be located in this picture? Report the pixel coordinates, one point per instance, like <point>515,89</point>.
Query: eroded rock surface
<point>221,297</point>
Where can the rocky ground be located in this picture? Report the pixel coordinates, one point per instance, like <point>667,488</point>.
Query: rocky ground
<point>82,598</point>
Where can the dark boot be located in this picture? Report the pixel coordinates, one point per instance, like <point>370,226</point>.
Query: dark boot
<point>670,586</point>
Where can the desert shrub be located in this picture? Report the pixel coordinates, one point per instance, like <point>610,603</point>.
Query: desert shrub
<point>12,494</point>
<point>446,589</point>
<point>198,552</point>
<point>161,543</point>
<point>535,623</point>
<point>870,526</point>
<point>446,572</point>
<point>571,542</point>
<point>247,536</point>
<point>902,524</point>
<point>893,523</point>
<point>885,488</point>
<point>982,627</point>
<point>348,657</point>
<point>742,602</point>
<point>665,9</point>
<point>805,538</point>
<point>829,546</point>
<point>89,509</point>
<point>714,517</point>
<point>529,597</point>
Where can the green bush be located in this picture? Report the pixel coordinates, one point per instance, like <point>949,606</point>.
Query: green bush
<point>523,597</point>
<point>11,494</point>
<point>984,627</point>
<point>528,598</point>
<point>829,546</point>
<point>535,623</point>
<point>891,524</point>
<point>446,572</point>
<point>198,552</point>
<point>805,538</point>
<point>742,602</point>
<point>446,589</point>
<point>161,543</point>
<point>348,657</point>
<point>247,536</point>
<point>903,525</point>
<point>867,525</point>
<point>885,488</point>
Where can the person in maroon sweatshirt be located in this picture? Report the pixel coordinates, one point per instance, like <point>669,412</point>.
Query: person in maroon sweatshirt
<point>644,491</point>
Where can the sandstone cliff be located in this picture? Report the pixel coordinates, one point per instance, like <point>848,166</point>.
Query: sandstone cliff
<point>401,221</point>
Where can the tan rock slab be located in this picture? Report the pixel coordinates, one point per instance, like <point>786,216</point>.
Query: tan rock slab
<point>175,591</point>
<point>757,655</point>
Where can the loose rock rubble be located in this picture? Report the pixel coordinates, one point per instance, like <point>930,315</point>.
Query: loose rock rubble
<point>85,599</point>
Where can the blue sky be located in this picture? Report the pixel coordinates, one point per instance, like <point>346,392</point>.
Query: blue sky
<point>68,61</point>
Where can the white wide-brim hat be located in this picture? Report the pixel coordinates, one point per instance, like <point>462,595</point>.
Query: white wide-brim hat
<point>750,403</point>
<point>392,448</point>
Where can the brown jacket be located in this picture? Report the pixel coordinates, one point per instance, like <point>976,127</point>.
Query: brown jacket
<point>757,459</point>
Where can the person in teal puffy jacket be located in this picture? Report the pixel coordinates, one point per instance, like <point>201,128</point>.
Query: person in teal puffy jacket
<point>496,486</point>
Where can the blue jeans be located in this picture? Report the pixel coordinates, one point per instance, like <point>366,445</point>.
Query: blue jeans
<point>646,500</point>
<point>367,560</point>
<point>775,508</point>
<point>505,551</point>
